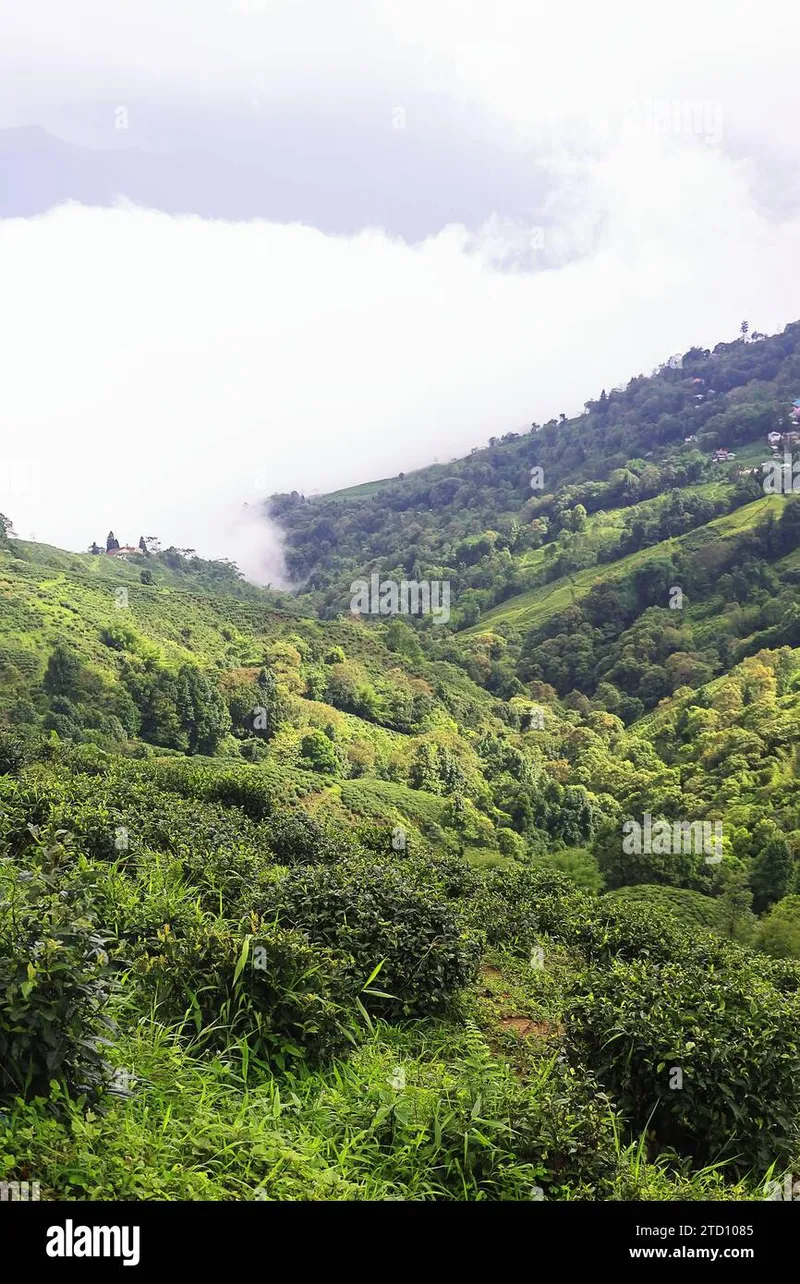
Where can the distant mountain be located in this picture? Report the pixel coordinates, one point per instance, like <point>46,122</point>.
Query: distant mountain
<point>38,171</point>
<point>410,184</point>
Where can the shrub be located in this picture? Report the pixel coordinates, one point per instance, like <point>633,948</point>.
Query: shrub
<point>711,1062</point>
<point>511,903</point>
<point>119,637</point>
<point>577,864</point>
<point>17,749</point>
<point>778,932</point>
<point>512,844</point>
<point>296,838</point>
<point>377,915</point>
<point>319,753</point>
<point>691,909</point>
<point>267,987</point>
<point>516,906</point>
<point>54,971</point>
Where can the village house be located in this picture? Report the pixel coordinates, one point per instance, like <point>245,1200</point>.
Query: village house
<point>113,547</point>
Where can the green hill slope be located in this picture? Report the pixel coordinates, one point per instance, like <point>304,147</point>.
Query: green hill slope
<point>297,904</point>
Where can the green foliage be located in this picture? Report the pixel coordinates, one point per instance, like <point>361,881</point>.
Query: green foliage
<point>778,932</point>
<point>772,874</point>
<point>382,923</point>
<point>576,863</point>
<point>298,839</point>
<point>20,746</point>
<point>181,710</point>
<point>677,868</point>
<point>54,970</point>
<point>319,752</point>
<point>512,844</point>
<point>63,673</point>
<point>267,991</point>
<point>732,1038</point>
<point>209,773</point>
<point>691,909</point>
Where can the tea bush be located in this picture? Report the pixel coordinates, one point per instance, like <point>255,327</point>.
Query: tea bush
<point>268,988</point>
<point>375,914</point>
<point>54,971</point>
<point>732,1036</point>
<point>297,838</point>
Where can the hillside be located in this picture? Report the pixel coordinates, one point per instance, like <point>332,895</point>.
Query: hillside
<point>298,903</point>
<point>479,523</point>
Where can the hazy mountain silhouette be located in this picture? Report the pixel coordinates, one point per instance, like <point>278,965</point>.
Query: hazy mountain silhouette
<point>411,187</point>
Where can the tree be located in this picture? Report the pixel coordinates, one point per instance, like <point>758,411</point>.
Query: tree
<point>143,546</point>
<point>319,753</point>
<point>182,710</point>
<point>205,714</point>
<point>270,712</point>
<point>111,542</point>
<point>6,529</point>
<point>771,874</point>
<point>425,769</point>
<point>778,933</point>
<point>62,675</point>
<point>735,916</point>
<point>400,637</point>
<point>455,815</point>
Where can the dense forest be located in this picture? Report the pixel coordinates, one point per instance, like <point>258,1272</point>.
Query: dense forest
<point>299,903</point>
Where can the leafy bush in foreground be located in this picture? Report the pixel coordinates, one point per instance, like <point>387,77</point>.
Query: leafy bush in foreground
<point>269,988</point>
<point>375,914</point>
<point>53,972</point>
<point>711,1062</point>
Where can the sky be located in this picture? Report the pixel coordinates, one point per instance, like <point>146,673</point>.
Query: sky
<point>250,246</point>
